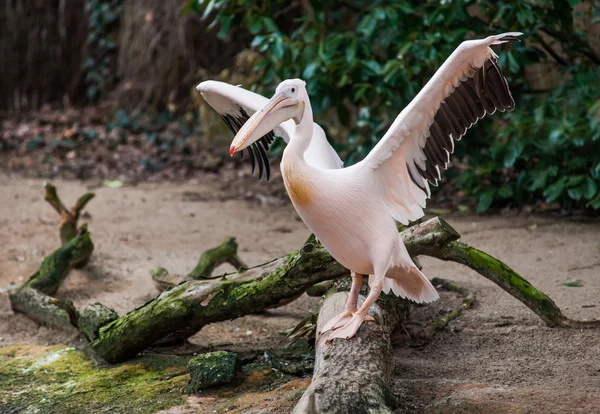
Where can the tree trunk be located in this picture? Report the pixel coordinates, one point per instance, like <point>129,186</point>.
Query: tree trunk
<point>354,375</point>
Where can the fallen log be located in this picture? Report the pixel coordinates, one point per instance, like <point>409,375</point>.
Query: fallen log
<point>33,300</point>
<point>56,266</point>
<point>354,375</point>
<point>44,309</point>
<point>186,308</point>
<point>509,280</point>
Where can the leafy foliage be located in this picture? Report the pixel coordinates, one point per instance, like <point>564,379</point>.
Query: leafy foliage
<point>364,61</point>
<point>103,17</point>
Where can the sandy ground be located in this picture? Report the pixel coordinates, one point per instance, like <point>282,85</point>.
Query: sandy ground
<point>497,357</point>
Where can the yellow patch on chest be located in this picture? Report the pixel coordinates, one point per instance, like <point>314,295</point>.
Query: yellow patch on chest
<point>296,184</point>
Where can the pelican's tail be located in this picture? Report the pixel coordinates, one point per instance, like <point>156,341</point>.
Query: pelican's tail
<point>411,285</point>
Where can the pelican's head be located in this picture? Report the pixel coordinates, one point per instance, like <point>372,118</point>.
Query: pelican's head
<point>287,103</point>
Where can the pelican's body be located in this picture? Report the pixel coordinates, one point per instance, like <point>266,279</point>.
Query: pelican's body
<point>353,211</point>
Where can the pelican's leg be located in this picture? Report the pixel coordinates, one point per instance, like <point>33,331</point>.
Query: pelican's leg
<point>351,327</point>
<point>350,307</point>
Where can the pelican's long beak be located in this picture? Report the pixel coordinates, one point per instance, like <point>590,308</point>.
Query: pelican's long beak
<point>279,109</point>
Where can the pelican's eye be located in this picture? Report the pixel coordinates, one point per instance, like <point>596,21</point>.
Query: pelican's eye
<point>293,90</point>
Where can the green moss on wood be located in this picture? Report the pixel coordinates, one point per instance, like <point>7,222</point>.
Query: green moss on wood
<point>194,304</point>
<point>507,279</point>
<point>213,369</point>
<point>93,318</point>
<point>57,265</point>
<point>57,380</point>
<point>225,252</point>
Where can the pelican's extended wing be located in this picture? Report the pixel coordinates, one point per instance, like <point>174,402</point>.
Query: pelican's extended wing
<point>236,104</point>
<point>418,145</point>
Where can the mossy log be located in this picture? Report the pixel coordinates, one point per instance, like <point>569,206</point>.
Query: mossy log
<point>354,376</point>
<point>213,369</point>
<point>94,317</point>
<point>68,218</point>
<point>509,280</point>
<point>44,309</point>
<point>434,244</point>
<point>186,308</point>
<point>56,266</point>
<point>33,300</point>
<point>226,252</point>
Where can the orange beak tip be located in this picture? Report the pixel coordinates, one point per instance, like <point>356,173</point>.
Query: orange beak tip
<point>231,150</point>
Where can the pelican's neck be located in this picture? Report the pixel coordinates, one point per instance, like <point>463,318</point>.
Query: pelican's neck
<point>300,141</point>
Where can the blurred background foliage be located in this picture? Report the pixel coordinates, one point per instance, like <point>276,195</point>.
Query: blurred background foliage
<point>134,64</point>
<point>364,61</point>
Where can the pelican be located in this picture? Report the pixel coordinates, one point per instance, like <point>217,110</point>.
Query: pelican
<point>353,210</point>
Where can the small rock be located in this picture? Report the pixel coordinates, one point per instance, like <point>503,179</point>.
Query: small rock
<point>212,369</point>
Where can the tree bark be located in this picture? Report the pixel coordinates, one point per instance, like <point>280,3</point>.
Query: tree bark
<point>354,375</point>
<point>186,308</point>
<point>226,252</point>
<point>56,266</point>
<point>33,300</point>
<point>68,218</point>
<point>44,309</point>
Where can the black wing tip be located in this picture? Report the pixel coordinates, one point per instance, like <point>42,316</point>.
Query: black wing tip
<point>511,37</point>
<point>258,149</point>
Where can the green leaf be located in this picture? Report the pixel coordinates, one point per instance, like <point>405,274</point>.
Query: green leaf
<point>374,67</point>
<point>588,188</point>
<point>115,183</point>
<point>270,25</point>
<point>367,25</point>
<point>575,180</point>
<point>485,200</point>
<point>309,70</point>
<point>575,283</point>
<point>225,27</point>
<point>595,203</point>
<point>575,193</point>
<point>512,153</point>
<point>554,191</point>
<point>351,52</point>
<point>513,65</point>
<point>539,179</point>
<point>310,34</point>
<point>439,211</point>
<point>255,26</point>
<point>277,48</point>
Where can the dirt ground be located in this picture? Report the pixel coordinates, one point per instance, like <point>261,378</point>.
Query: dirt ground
<point>497,357</point>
